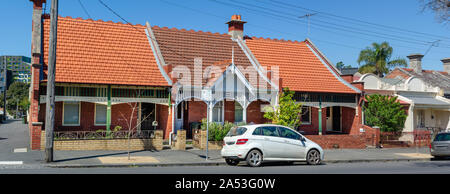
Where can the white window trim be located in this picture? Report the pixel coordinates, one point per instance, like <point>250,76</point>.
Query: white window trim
<point>95,115</point>
<point>79,115</point>
<point>309,111</point>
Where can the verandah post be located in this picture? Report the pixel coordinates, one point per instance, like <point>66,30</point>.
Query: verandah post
<point>320,115</point>
<point>108,111</point>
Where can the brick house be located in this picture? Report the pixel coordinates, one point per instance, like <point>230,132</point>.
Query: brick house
<point>107,72</point>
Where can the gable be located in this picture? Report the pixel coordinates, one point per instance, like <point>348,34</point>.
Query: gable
<point>99,52</point>
<point>300,67</point>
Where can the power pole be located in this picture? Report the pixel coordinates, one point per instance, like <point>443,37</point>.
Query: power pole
<point>307,16</point>
<point>50,101</point>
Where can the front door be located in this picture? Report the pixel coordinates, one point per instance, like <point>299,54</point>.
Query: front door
<point>179,116</point>
<point>337,118</point>
<point>148,115</point>
<point>329,119</point>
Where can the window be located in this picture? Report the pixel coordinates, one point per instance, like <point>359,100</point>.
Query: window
<point>442,137</point>
<point>257,131</point>
<point>270,131</point>
<point>235,131</point>
<point>287,133</point>
<point>71,113</point>
<point>306,115</point>
<point>100,114</point>
<point>238,113</point>
<point>217,112</point>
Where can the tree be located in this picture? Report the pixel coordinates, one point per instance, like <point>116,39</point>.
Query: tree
<point>385,112</point>
<point>377,59</point>
<point>288,112</point>
<point>341,65</point>
<point>440,7</point>
<point>16,98</point>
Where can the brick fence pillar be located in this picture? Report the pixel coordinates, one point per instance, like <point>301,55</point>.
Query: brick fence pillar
<point>180,142</point>
<point>35,135</point>
<point>377,133</point>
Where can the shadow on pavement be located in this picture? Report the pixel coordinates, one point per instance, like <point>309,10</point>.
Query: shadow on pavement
<point>102,155</point>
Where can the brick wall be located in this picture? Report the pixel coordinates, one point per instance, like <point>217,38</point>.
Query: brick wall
<point>254,113</point>
<point>339,141</point>
<point>112,144</point>
<point>199,141</point>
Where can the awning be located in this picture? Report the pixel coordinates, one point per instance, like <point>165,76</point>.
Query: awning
<point>428,102</point>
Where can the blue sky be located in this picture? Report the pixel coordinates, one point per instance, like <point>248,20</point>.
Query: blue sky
<point>399,22</point>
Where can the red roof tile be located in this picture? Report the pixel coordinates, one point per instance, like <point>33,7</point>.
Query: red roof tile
<point>300,68</point>
<point>98,52</point>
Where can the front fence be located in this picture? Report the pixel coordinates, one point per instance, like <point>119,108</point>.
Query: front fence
<point>103,140</point>
<point>101,135</point>
<point>418,138</point>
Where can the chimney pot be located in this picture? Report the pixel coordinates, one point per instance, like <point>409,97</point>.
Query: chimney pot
<point>236,27</point>
<point>446,63</point>
<point>415,62</point>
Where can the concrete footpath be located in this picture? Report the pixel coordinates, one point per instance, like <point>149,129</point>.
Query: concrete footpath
<point>14,149</point>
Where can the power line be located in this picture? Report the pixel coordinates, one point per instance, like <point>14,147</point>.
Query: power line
<point>345,28</point>
<point>360,21</point>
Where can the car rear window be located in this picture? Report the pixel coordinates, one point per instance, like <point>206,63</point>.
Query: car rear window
<point>442,137</point>
<point>235,131</point>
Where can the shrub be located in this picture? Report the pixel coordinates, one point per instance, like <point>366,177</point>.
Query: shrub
<point>218,131</point>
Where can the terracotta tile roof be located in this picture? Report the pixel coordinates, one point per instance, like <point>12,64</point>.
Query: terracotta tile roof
<point>300,68</point>
<point>215,49</point>
<point>435,78</point>
<point>99,52</point>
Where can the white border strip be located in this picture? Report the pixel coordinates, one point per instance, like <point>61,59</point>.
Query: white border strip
<point>11,162</point>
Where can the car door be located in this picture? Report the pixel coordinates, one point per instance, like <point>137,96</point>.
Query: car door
<point>272,142</point>
<point>294,148</point>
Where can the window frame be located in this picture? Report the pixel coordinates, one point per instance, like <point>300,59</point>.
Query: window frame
<point>95,115</point>
<point>309,115</point>
<point>279,132</point>
<point>79,113</point>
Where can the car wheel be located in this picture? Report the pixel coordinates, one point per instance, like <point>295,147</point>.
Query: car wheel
<point>232,162</point>
<point>313,157</point>
<point>254,158</point>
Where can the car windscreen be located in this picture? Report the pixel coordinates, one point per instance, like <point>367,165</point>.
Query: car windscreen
<point>235,131</point>
<point>442,137</point>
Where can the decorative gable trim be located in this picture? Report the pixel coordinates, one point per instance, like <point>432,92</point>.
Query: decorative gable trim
<point>326,63</point>
<point>254,62</point>
<point>157,53</point>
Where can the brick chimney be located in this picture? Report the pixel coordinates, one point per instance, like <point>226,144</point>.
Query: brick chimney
<point>36,56</point>
<point>415,62</point>
<point>236,27</point>
<point>446,63</point>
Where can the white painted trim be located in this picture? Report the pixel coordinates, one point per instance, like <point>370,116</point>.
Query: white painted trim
<point>157,52</point>
<point>329,68</point>
<point>79,116</point>
<point>254,61</point>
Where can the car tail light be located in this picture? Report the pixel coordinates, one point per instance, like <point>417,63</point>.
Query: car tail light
<point>241,141</point>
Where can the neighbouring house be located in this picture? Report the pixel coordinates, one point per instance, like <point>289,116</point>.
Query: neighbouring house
<point>112,74</point>
<point>426,108</point>
<point>435,78</point>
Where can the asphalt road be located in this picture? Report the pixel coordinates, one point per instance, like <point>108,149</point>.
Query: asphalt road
<point>429,167</point>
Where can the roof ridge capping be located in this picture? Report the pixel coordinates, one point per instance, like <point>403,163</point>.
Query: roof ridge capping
<point>275,39</point>
<point>188,30</point>
<point>99,20</point>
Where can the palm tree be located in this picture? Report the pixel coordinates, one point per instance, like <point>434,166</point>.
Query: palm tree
<point>377,59</point>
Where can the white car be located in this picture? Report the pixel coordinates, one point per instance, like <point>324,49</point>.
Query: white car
<point>257,143</point>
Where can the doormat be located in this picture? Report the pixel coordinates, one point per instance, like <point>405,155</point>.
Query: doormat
<point>124,160</point>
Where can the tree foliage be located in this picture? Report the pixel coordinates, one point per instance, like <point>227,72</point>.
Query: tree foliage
<point>17,98</point>
<point>288,112</point>
<point>341,65</point>
<point>385,112</point>
<point>377,59</point>
<point>441,8</point>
